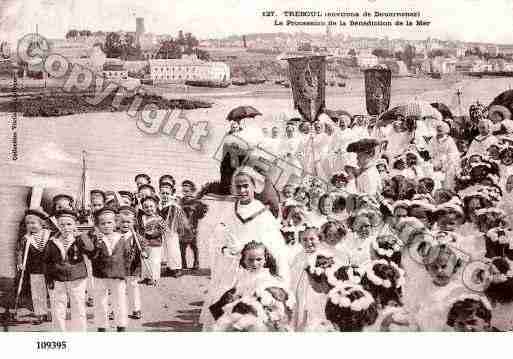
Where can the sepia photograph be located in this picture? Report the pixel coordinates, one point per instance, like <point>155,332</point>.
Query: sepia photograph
<point>276,166</point>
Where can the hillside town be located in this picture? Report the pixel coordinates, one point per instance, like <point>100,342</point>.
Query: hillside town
<point>137,57</point>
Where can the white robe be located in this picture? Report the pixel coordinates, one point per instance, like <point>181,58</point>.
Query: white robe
<point>310,304</point>
<point>254,223</point>
<point>480,145</point>
<point>369,181</point>
<point>445,154</point>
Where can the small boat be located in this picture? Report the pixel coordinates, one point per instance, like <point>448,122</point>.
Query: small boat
<point>256,81</point>
<point>239,82</point>
<point>206,83</point>
<point>286,84</point>
<point>332,83</point>
<point>279,82</point>
<point>341,84</point>
<point>435,75</point>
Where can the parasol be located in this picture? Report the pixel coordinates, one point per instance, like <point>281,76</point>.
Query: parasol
<point>443,109</point>
<point>238,113</point>
<point>506,114</point>
<point>418,109</point>
<point>336,115</point>
<point>504,99</point>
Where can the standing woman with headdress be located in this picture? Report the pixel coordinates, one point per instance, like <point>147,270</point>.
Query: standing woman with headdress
<point>249,221</point>
<point>445,154</point>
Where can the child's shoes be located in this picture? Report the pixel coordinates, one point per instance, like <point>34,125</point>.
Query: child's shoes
<point>136,314</point>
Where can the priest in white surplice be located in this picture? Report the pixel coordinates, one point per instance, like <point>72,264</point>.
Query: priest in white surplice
<point>249,220</point>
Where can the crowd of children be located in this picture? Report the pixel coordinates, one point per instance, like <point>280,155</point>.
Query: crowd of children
<point>418,241</point>
<point>377,240</point>
<point>99,257</point>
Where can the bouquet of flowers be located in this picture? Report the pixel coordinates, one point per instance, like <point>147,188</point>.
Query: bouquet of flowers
<point>320,270</point>
<point>387,247</point>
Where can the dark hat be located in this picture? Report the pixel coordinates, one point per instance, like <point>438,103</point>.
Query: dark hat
<point>188,183</point>
<point>152,198</point>
<point>144,175</point>
<point>167,185</point>
<point>167,179</point>
<point>97,191</point>
<point>149,186</point>
<point>363,145</point>
<point>66,213</point>
<point>127,210</point>
<point>39,212</point>
<point>340,176</point>
<point>104,210</point>
<point>62,196</point>
<point>126,193</point>
<point>508,151</point>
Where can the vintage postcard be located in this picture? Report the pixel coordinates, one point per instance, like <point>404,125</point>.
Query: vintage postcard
<point>271,166</point>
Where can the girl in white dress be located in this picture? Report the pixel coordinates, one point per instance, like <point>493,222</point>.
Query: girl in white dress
<point>249,221</point>
<point>357,244</point>
<point>310,281</point>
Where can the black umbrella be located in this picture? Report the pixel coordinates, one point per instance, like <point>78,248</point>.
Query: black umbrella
<point>504,99</point>
<point>238,113</point>
<point>336,115</point>
<point>389,116</point>
<point>443,109</point>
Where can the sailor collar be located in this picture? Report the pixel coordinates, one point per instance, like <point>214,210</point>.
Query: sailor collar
<point>247,213</point>
<point>60,245</point>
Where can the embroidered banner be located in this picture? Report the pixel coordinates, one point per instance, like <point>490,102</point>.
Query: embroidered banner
<point>377,90</point>
<point>308,82</point>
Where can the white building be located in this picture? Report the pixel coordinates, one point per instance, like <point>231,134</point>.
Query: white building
<point>179,71</point>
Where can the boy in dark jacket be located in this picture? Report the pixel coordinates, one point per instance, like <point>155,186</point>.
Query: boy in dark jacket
<point>136,245</point>
<point>194,210</point>
<point>110,259</point>
<point>66,273</point>
<point>30,255</point>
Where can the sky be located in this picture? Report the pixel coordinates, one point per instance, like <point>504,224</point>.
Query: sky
<point>466,20</point>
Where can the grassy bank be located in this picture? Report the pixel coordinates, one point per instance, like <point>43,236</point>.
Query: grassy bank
<point>62,104</point>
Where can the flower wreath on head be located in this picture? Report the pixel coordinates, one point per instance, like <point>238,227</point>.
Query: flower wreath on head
<point>267,299</point>
<point>353,273</point>
<point>386,248</point>
<point>502,277</point>
<point>475,297</point>
<point>238,320</point>
<point>341,296</point>
<point>499,235</point>
<point>323,263</point>
<point>380,282</point>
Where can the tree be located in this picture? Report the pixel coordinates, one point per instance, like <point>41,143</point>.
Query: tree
<point>85,33</point>
<point>71,34</point>
<point>202,54</point>
<point>408,55</point>
<point>436,53</point>
<point>383,53</point>
<point>169,49</point>
<point>113,45</point>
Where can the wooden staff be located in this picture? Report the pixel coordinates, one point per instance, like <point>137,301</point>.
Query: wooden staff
<point>136,240</point>
<point>20,281</point>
